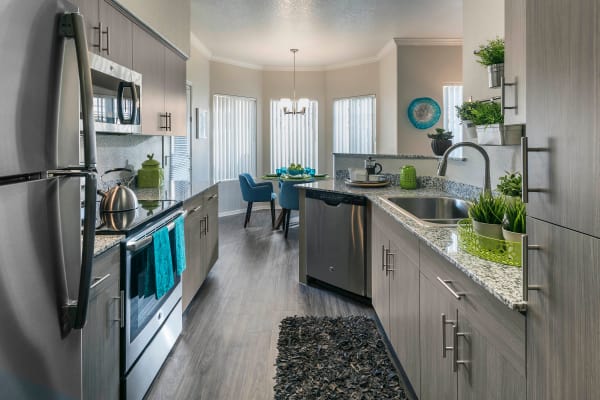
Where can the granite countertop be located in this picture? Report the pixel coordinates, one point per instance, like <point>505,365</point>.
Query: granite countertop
<point>105,242</point>
<point>172,190</point>
<point>502,281</point>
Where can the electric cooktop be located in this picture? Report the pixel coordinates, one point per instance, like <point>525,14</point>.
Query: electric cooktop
<point>129,222</point>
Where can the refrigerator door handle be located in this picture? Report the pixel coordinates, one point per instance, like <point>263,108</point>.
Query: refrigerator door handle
<point>72,27</point>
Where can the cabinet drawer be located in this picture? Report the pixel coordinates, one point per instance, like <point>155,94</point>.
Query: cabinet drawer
<point>211,194</point>
<point>504,327</point>
<point>406,242</point>
<point>107,263</point>
<point>194,204</point>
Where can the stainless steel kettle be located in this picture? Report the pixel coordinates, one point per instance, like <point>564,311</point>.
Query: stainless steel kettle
<point>118,198</point>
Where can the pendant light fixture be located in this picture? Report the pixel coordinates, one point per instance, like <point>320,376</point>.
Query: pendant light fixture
<point>293,106</point>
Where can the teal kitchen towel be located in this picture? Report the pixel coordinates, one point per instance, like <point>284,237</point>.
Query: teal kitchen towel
<point>178,250</point>
<point>163,263</point>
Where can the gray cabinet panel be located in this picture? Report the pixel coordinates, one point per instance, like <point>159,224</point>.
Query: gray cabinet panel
<point>119,37</point>
<point>195,248</point>
<point>438,381</point>
<point>562,112</point>
<point>379,277</point>
<point>149,60</point>
<point>563,323</point>
<point>101,333</point>
<point>515,61</point>
<point>175,99</point>
<point>211,199</point>
<point>91,13</point>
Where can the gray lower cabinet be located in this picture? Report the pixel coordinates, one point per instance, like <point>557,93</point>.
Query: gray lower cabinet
<point>563,323</point>
<point>101,332</point>
<point>395,290</point>
<point>202,241</point>
<point>438,381</point>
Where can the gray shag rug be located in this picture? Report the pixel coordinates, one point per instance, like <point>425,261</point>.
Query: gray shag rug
<point>334,358</point>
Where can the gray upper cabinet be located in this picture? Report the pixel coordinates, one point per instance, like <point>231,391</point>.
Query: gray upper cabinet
<point>563,323</point>
<point>91,14</point>
<point>514,62</point>
<point>562,112</point>
<point>117,35</point>
<point>163,93</point>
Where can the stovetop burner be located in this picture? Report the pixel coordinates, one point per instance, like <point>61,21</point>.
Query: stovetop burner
<point>128,222</point>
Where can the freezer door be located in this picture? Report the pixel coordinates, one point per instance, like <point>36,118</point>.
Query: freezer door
<point>36,242</point>
<point>30,83</point>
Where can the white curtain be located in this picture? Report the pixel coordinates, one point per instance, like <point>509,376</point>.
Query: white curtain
<point>354,125</point>
<point>234,136</point>
<point>453,96</point>
<point>294,138</point>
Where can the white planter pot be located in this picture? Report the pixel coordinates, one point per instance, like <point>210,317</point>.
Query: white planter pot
<point>511,236</point>
<point>489,230</point>
<point>499,134</point>
<point>469,130</point>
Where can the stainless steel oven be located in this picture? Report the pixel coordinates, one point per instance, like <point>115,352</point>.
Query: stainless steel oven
<point>151,325</point>
<point>117,97</point>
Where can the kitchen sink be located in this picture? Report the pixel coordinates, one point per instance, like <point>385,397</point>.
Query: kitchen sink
<point>431,211</point>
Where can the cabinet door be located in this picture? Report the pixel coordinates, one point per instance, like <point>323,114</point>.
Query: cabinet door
<point>514,61</point>
<point>404,303</point>
<point>562,106</point>
<point>379,276</point>
<point>101,332</point>
<point>149,60</point>
<point>175,99</point>
<point>486,373</point>
<point>194,252</point>
<point>118,39</point>
<point>563,323</point>
<point>438,381</point>
<point>90,11</point>
<point>212,228</point>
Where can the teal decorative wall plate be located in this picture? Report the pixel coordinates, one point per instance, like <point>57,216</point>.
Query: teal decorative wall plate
<point>424,112</point>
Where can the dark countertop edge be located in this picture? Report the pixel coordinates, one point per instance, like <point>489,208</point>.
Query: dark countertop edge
<point>397,156</point>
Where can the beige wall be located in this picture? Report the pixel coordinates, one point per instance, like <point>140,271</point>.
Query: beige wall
<point>482,20</point>
<point>170,18</point>
<point>387,104</point>
<point>422,71</point>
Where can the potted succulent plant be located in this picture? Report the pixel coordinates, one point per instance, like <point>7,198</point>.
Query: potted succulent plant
<point>510,186</point>
<point>464,113</point>
<point>491,55</point>
<point>487,213</point>
<point>440,141</point>
<point>514,221</point>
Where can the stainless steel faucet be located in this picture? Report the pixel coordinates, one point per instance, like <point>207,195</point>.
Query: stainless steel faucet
<point>487,187</point>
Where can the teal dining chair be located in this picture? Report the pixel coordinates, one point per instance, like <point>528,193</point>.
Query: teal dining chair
<point>253,192</point>
<point>289,200</point>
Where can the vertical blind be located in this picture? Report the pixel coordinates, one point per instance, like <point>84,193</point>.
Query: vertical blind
<point>234,136</point>
<point>453,96</point>
<point>354,125</point>
<point>294,138</point>
<point>180,168</point>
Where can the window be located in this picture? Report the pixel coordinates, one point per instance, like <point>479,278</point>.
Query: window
<point>453,96</point>
<point>354,125</point>
<point>234,136</point>
<point>294,138</point>
<point>180,166</point>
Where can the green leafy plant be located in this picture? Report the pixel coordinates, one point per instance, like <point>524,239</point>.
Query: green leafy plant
<point>486,113</point>
<point>491,53</point>
<point>515,217</point>
<point>465,111</point>
<point>488,209</point>
<point>510,184</point>
<point>440,134</point>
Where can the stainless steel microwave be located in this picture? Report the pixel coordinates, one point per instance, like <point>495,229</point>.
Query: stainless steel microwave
<point>117,97</point>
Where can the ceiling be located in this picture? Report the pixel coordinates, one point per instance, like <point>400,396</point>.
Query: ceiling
<point>327,32</point>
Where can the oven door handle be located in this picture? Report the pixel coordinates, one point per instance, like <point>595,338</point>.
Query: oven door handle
<point>135,245</point>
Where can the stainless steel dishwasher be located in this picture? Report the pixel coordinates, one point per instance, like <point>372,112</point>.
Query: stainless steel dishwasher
<point>336,225</point>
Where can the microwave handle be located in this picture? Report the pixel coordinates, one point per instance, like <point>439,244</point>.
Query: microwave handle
<point>134,98</point>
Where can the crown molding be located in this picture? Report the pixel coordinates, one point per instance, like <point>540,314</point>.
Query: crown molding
<point>236,63</point>
<point>428,41</point>
<point>389,46</point>
<point>195,42</point>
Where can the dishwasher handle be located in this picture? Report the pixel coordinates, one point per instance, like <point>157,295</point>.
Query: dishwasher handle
<point>332,203</point>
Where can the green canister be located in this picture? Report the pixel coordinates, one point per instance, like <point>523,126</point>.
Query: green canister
<point>151,175</point>
<point>408,177</point>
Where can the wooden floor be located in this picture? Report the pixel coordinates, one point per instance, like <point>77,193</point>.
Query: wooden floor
<point>229,341</point>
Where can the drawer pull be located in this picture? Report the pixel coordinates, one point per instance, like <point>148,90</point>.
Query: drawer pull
<point>446,284</point>
<point>455,361</point>
<point>446,321</point>
<point>98,280</point>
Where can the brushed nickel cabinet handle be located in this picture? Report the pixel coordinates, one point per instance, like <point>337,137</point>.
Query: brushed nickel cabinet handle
<point>455,361</point>
<point>390,265</point>
<point>503,106</point>
<point>121,318</point>
<point>99,44</point>
<point>445,321</point>
<point>107,48</point>
<point>525,248</point>
<point>525,150</point>
<point>98,280</point>
<point>446,284</point>
<point>383,266</point>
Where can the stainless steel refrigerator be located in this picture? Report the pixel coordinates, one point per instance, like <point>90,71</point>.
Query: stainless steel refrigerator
<point>45,259</point>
